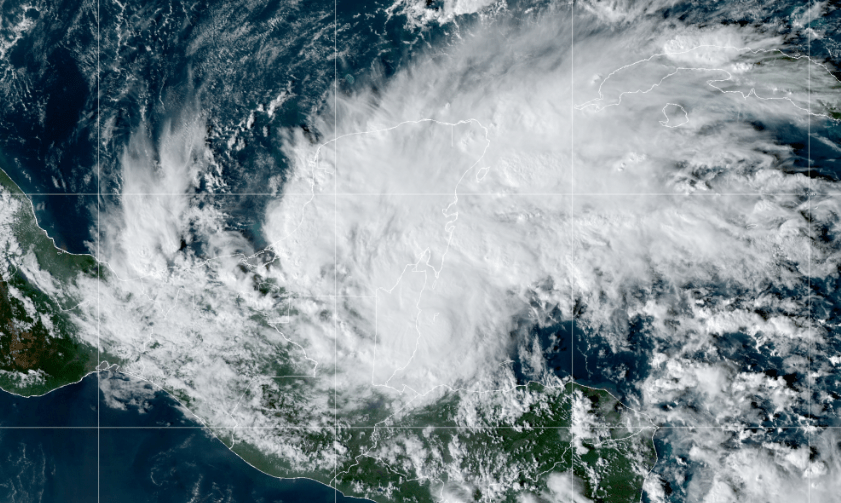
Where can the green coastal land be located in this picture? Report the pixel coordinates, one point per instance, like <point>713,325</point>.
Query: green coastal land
<point>40,347</point>
<point>489,455</point>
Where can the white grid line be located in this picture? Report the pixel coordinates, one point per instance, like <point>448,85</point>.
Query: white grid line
<point>335,253</point>
<point>432,194</point>
<point>467,428</point>
<point>572,240</point>
<point>98,275</point>
<point>809,270</point>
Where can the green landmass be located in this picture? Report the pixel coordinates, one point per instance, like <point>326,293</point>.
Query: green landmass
<point>412,458</point>
<point>487,447</point>
<point>39,345</point>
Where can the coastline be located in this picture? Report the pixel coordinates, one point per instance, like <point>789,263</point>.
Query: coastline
<point>253,463</point>
<point>214,432</point>
<point>137,455</point>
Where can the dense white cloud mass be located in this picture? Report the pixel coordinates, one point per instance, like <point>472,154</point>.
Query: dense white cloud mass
<point>419,13</point>
<point>470,196</point>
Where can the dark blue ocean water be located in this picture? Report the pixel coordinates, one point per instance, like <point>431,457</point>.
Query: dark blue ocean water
<point>91,76</point>
<point>147,451</point>
<point>159,61</point>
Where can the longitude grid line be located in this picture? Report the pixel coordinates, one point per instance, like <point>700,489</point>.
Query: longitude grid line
<point>98,274</point>
<point>808,222</point>
<point>572,238</point>
<point>335,251</point>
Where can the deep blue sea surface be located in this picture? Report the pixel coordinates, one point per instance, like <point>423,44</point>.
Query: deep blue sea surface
<point>147,450</point>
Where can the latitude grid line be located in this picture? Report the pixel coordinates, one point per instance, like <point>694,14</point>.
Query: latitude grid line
<point>469,428</point>
<point>430,194</point>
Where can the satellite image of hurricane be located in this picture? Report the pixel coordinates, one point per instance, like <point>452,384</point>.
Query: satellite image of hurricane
<point>524,251</point>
